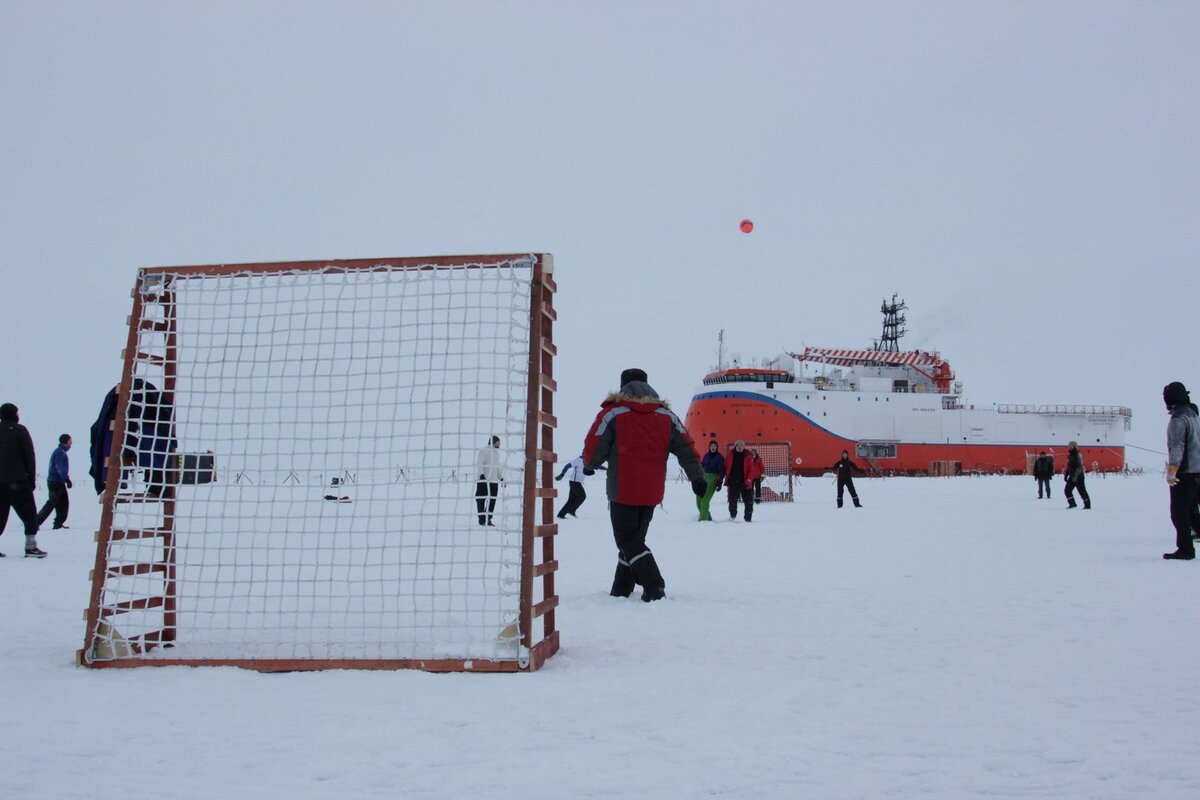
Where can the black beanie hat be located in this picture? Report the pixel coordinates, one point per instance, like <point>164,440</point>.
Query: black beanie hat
<point>633,374</point>
<point>1176,394</point>
<point>8,412</point>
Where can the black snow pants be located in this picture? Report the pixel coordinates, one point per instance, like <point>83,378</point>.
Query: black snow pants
<point>746,495</point>
<point>635,562</point>
<point>58,502</point>
<point>485,500</point>
<point>18,497</point>
<point>574,501</point>
<point>1183,511</point>
<point>1083,495</point>
<point>846,484</point>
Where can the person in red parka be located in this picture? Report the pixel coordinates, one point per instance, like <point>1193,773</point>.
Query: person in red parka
<point>634,433</point>
<point>742,469</point>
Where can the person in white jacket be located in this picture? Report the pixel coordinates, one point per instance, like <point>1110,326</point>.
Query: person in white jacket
<point>488,487</point>
<point>573,471</point>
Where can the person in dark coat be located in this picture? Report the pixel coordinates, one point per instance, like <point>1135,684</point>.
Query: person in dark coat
<point>58,481</point>
<point>149,439</point>
<point>1183,468</point>
<point>844,480</point>
<point>633,433</point>
<point>18,471</point>
<point>713,465</point>
<point>740,473</point>
<point>1043,471</point>
<point>1074,476</point>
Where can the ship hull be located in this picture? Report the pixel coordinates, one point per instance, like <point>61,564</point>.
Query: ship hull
<point>901,433</point>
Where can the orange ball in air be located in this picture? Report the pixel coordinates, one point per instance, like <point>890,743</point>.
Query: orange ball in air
<point>746,226</point>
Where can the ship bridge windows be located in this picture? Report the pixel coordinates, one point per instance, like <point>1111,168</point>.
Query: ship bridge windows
<point>750,376</point>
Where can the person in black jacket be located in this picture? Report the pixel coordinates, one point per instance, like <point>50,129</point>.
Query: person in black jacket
<point>1043,471</point>
<point>18,468</point>
<point>1074,476</point>
<point>844,481</point>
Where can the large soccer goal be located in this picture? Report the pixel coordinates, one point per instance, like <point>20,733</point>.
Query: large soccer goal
<point>294,480</point>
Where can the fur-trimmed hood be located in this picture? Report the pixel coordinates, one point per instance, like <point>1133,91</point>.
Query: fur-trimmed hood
<point>636,392</point>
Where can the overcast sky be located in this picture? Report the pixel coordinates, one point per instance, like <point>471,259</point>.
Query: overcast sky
<point>1024,174</point>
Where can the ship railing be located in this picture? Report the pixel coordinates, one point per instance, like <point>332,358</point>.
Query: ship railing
<point>1069,410</point>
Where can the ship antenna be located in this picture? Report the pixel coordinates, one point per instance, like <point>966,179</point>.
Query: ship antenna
<point>721,349</point>
<point>893,325</point>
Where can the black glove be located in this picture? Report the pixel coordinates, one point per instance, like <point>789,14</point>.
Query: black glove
<point>699,487</point>
<point>589,471</point>
<point>69,484</point>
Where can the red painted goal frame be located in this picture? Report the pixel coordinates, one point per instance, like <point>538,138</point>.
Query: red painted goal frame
<point>538,523</point>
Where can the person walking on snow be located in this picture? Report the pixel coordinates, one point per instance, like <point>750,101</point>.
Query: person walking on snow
<point>58,481</point>
<point>1074,476</point>
<point>713,465</point>
<point>844,479</point>
<point>1183,468</point>
<point>577,495</point>
<point>740,475</point>
<point>18,466</point>
<point>488,487</point>
<point>633,433</point>
<point>1043,471</point>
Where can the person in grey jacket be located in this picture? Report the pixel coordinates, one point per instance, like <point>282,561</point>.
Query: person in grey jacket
<point>1074,476</point>
<point>1183,468</point>
<point>1043,471</point>
<point>18,466</point>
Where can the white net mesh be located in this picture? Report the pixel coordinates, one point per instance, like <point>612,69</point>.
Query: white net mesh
<point>347,412</point>
<point>776,483</point>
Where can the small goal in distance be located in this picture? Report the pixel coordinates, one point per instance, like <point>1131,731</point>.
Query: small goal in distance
<point>293,481</point>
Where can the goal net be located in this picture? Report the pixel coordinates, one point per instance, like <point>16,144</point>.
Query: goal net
<point>776,483</point>
<point>332,464</point>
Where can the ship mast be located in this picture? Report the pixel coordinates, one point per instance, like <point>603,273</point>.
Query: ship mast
<point>893,326</point>
<point>721,349</point>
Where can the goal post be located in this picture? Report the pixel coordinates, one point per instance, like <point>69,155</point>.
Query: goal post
<point>332,464</point>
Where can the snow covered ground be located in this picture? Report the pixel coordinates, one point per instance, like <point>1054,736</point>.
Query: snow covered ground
<point>953,638</point>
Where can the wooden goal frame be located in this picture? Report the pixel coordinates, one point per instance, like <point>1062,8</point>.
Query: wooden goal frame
<point>535,626</point>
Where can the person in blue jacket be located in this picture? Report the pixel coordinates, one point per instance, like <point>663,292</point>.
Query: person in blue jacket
<point>58,481</point>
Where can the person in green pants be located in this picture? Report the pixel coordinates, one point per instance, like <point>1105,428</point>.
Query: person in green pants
<point>713,465</point>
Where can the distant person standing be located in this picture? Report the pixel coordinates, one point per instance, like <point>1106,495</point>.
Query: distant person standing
<point>575,475</point>
<point>740,474</point>
<point>713,465</point>
<point>845,481</point>
<point>488,487</point>
<point>58,481</point>
<point>1074,475</point>
<point>1183,468</point>
<point>18,468</point>
<point>758,467</point>
<point>633,433</point>
<point>1043,471</point>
